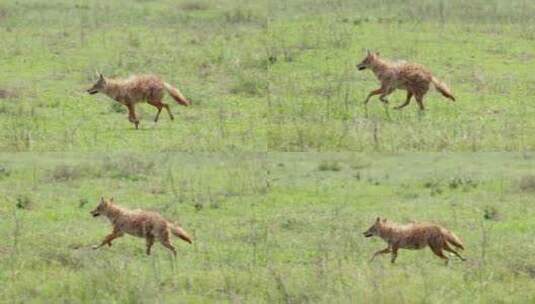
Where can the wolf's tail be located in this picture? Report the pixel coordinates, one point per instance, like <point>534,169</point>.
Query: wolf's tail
<point>452,238</point>
<point>178,231</point>
<point>177,96</point>
<point>442,88</point>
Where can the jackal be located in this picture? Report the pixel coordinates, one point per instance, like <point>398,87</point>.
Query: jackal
<point>146,224</point>
<point>413,78</point>
<point>136,89</point>
<point>414,236</point>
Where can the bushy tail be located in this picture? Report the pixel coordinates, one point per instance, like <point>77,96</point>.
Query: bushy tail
<point>177,96</point>
<point>442,88</point>
<point>452,239</point>
<point>178,231</point>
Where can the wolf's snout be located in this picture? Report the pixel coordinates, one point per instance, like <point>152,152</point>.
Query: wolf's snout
<point>94,213</point>
<point>367,234</point>
<point>360,68</point>
<point>90,91</point>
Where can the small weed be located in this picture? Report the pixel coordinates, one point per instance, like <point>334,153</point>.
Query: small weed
<point>4,171</point>
<point>329,166</point>
<point>128,167</point>
<point>198,206</point>
<point>491,213</point>
<point>117,107</point>
<point>8,94</point>
<point>82,202</point>
<point>252,87</point>
<point>373,181</point>
<point>434,187</point>
<point>239,16</point>
<point>24,202</point>
<point>63,173</point>
<point>527,183</point>
<point>465,182</point>
<point>193,6</point>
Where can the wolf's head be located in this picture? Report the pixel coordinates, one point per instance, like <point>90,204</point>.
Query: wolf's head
<point>102,207</point>
<point>98,86</point>
<point>374,229</point>
<point>368,60</point>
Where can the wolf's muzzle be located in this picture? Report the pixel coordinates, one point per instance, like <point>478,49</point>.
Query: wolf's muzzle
<point>367,234</point>
<point>360,68</point>
<point>94,214</point>
<point>92,91</point>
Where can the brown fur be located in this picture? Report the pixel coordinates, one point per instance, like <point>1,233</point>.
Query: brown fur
<point>146,224</point>
<point>414,236</point>
<point>413,78</point>
<point>136,89</point>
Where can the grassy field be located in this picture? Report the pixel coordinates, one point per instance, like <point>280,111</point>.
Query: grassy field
<point>484,50</point>
<point>271,228</point>
<point>51,49</point>
<point>266,75</point>
<point>266,78</point>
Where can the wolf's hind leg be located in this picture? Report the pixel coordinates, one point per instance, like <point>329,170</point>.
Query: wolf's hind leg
<point>438,252</point>
<point>164,240</point>
<point>420,101</point>
<point>394,254</point>
<point>169,246</point>
<point>158,105</point>
<point>449,249</point>
<point>166,106</point>
<point>407,101</point>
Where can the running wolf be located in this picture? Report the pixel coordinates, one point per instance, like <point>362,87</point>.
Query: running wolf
<point>146,224</point>
<point>136,89</point>
<point>414,236</point>
<point>413,78</point>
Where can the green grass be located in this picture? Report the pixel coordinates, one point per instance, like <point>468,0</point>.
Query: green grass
<point>267,228</point>
<point>266,78</point>
<point>268,75</point>
<point>482,49</point>
<point>51,49</point>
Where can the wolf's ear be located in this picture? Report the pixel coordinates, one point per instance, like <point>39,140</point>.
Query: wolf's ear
<point>100,77</point>
<point>368,52</point>
<point>384,220</point>
<point>102,198</point>
<point>378,219</point>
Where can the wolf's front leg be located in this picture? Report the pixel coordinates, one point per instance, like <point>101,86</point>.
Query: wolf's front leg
<point>110,237</point>
<point>394,254</point>
<point>150,242</point>
<point>407,101</point>
<point>372,93</point>
<point>386,250</point>
<point>132,114</point>
<point>385,93</point>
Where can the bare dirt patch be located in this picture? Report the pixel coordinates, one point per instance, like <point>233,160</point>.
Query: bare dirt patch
<point>7,93</point>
